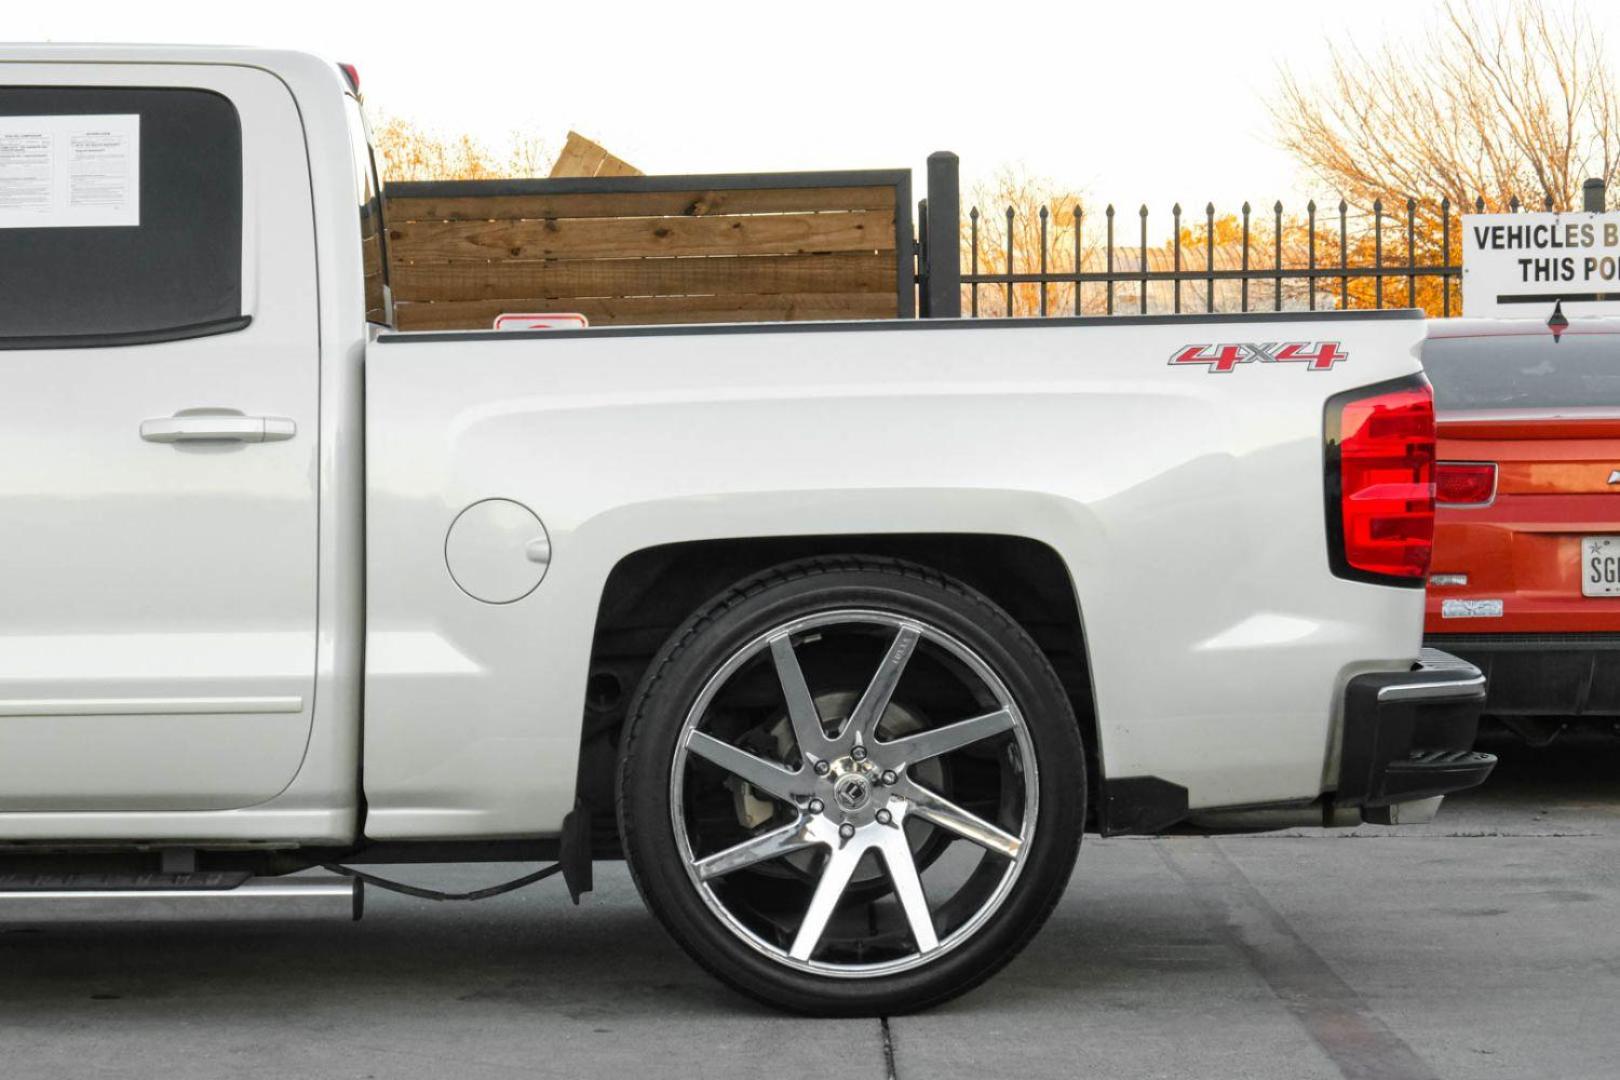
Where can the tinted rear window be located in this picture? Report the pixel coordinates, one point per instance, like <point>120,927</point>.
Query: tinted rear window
<point>1531,371</point>
<point>179,267</point>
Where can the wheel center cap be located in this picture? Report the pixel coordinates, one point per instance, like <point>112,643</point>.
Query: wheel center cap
<point>852,792</point>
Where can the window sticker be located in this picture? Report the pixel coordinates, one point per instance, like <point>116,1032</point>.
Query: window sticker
<point>63,172</point>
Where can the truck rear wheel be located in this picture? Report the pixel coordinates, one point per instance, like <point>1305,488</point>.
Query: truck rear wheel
<point>851,786</point>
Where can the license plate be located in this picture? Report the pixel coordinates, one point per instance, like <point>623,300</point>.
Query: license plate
<point>1600,566</point>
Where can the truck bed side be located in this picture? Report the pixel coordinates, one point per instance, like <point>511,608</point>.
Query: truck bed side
<point>1186,502</point>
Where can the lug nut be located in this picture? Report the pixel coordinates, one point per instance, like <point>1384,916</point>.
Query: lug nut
<point>859,753</point>
<point>846,830</point>
<point>817,806</point>
<point>823,768</point>
<point>884,817</point>
<point>890,777</point>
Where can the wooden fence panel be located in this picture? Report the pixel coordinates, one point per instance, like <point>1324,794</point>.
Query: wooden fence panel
<point>693,202</point>
<point>631,238</point>
<point>566,279</point>
<point>624,250</point>
<point>634,310</point>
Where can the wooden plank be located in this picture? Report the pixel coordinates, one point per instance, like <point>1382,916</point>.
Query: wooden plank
<point>371,254</point>
<point>584,157</point>
<point>613,165</point>
<point>607,238</point>
<point>373,291</point>
<point>690,203</point>
<point>776,274</point>
<point>578,157</point>
<point>479,314</point>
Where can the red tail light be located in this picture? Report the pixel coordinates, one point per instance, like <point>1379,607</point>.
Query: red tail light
<point>1380,481</point>
<point>352,75</point>
<point>1464,483</point>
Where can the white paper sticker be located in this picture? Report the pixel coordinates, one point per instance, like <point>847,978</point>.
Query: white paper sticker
<point>63,172</point>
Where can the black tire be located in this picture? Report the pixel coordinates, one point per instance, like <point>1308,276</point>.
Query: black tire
<point>654,736</point>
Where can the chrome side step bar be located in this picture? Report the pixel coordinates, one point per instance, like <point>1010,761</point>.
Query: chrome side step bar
<point>161,897</point>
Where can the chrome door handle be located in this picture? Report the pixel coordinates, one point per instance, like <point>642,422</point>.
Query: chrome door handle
<point>217,427</point>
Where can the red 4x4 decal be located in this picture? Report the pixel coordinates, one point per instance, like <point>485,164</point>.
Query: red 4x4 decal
<point>1223,359</point>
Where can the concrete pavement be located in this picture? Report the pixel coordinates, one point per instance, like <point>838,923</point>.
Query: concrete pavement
<point>1484,945</point>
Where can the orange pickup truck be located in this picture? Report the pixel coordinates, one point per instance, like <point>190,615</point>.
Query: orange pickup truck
<point>1525,579</point>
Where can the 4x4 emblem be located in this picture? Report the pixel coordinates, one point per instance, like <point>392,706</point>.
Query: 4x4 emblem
<point>1223,359</point>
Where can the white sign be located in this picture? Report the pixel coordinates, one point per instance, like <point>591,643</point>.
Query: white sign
<point>1520,265</point>
<point>60,172</point>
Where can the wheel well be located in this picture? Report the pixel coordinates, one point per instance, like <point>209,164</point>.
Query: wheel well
<point>652,591</point>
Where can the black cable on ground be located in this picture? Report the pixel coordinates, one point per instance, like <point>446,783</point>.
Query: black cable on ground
<point>434,894</point>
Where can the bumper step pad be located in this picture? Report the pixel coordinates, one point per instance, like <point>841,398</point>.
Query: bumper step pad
<point>1426,773</point>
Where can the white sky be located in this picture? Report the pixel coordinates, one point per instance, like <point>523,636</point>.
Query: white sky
<point>1131,101</point>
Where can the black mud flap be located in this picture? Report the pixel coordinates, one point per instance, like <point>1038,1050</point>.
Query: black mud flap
<point>574,852</point>
<point>1140,805</point>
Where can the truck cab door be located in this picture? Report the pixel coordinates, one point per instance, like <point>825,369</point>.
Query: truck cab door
<point>158,429</point>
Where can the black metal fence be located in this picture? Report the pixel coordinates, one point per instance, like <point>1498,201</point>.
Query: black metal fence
<point>1408,255</point>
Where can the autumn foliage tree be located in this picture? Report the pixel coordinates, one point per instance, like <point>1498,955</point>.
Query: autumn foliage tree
<point>408,151</point>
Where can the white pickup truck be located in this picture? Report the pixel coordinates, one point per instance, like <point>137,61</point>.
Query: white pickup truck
<point>839,633</point>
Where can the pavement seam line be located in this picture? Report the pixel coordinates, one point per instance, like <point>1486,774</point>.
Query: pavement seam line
<point>1353,1037</point>
<point>889,1069</point>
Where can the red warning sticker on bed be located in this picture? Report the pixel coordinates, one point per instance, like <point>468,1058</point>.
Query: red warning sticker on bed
<point>533,320</point>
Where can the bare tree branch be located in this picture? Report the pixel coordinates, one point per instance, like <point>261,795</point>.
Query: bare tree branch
<point>1517,100</point>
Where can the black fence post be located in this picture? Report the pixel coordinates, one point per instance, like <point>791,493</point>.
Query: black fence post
<point>973,264</point>
<point>1310,240</point>
<point>1142,257</point>
<point>1045,214</point>
<point>1209,256</point>
<point>1344,258</point>
<point>1175,213</point>
<point>922,258</point>
<point>1011,214</point>
<point>1445,256</point>
<point>1079,252</point>
<point>943,241</point>
<point>1276,258</point>
<point>1378,253</point>
<point>1108,267</point>
<point>1244,283</point>
<point>1594,196</point>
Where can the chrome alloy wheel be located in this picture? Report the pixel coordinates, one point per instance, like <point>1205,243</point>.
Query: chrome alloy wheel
<point>947,810</point>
